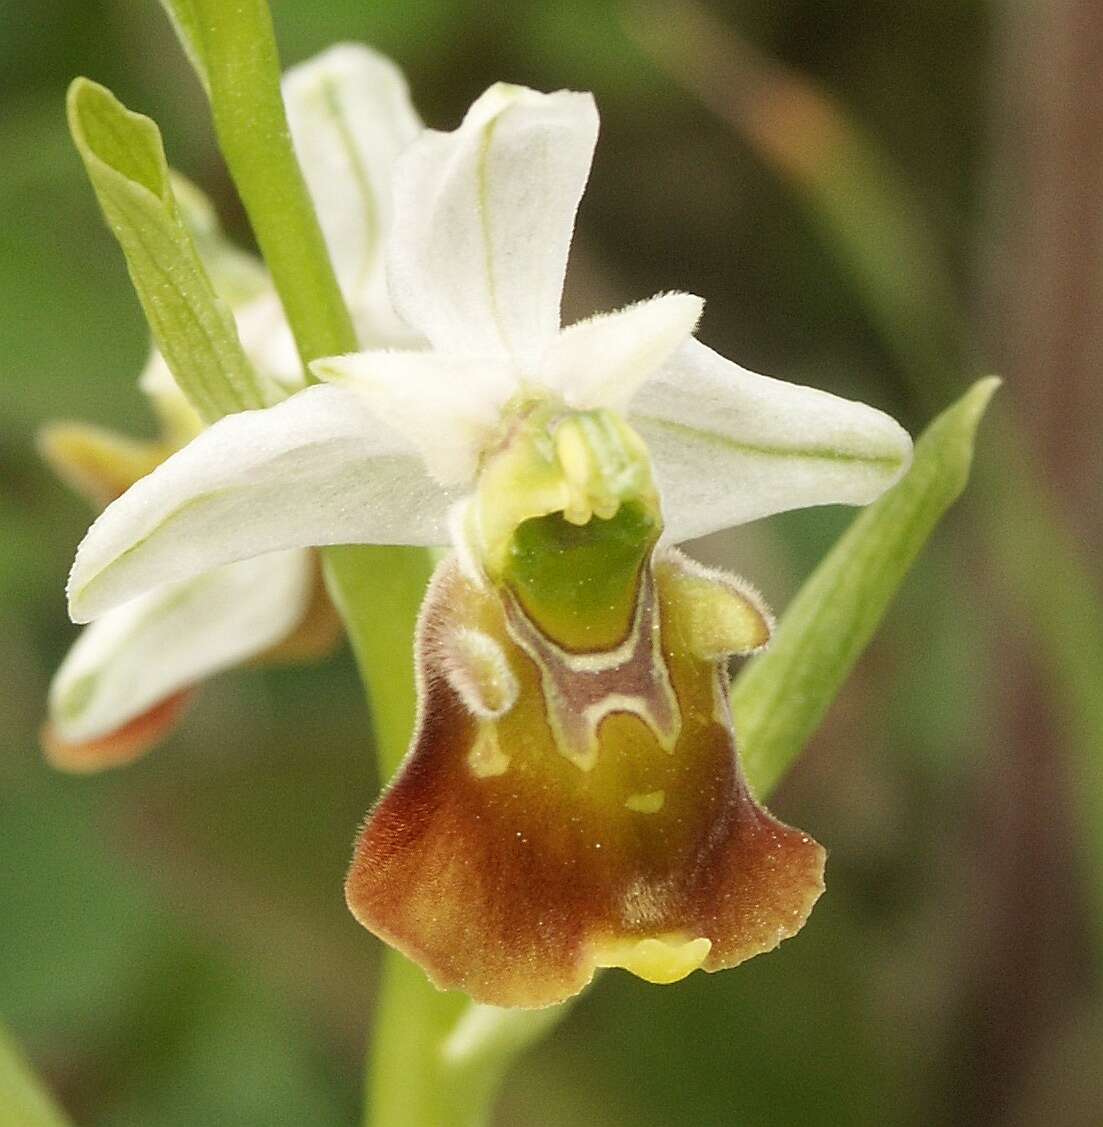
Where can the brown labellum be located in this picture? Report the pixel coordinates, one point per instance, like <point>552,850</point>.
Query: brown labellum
<point>600,820</point>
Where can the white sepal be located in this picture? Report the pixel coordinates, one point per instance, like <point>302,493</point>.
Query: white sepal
<point>483,222</point>
<point>730,446</point>
<point>317,469</point>
<point>168,639</point>
<point>350,115</point>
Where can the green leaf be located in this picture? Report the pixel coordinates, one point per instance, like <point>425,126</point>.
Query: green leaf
<point>192,325</point>
<point>781,696</point>
<point>237,275</point>
<point>23,1101</point>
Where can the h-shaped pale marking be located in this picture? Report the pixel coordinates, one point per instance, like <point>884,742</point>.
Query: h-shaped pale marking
<point>581,689</point>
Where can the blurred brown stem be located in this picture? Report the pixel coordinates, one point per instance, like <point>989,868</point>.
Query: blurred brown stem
<point>1046,270</point>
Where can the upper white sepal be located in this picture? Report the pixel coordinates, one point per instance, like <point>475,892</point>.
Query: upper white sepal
<point>483,223</point>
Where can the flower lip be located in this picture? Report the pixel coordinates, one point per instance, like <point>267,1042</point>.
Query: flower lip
<point>512,871</point>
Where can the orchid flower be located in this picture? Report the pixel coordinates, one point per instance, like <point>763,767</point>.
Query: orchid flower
<point>572,796</point>
<point>122,686</point>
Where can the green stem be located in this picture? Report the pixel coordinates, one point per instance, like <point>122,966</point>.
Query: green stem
<point>405,1081</point>
<point>378,592</point>
<point>242,69</point>
<point>24,1101</point>
<point>445,1056</point>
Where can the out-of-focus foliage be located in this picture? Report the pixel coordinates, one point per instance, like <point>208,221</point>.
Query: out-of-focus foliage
<point>174,949</point>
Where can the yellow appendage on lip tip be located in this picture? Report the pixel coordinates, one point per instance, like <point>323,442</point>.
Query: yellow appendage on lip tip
<point>656,959</point>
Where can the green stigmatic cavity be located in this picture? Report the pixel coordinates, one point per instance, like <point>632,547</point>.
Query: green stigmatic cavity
<point>579,583</point>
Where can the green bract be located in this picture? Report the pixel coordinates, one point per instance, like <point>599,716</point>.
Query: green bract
<point>782,695</point>
<point>192,325</point>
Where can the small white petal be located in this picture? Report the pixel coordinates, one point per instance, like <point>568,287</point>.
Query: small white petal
<point>730,446</point>
<point>601,362</point>
<point>168,639</point>
<point>318,468</point>
<point>483,222</point>
<point>448,407</point>
<point>350,115</point>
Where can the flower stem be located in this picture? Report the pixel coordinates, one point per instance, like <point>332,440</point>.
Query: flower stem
<point>447,1055</point>
<point>436,1058</point>
<point>378,592</point>
<point>405,1085</point>
<point>242,71</point>
<point>24,1102</point>
<point>402,1080</point>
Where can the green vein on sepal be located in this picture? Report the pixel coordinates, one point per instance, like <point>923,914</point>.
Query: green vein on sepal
<point>888,462</point>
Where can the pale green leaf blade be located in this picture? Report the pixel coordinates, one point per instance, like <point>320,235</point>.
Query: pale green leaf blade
<point>23,1101</point>
<point>781,696</point>
<point>237,275</point>
<point>192,325</point>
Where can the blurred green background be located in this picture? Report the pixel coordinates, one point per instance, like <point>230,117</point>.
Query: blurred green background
<point>884,200</point>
